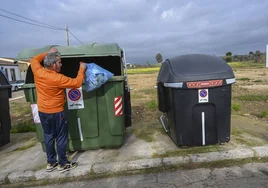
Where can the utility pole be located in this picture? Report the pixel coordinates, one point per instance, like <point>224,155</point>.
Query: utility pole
<point>67,35</point>
<point>266,56</point>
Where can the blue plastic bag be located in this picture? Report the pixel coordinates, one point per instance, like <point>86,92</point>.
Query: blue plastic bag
<point>96,76</point>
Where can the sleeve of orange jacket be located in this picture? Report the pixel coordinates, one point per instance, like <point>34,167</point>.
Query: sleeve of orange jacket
<point>67,82</point>
<point>36,62</point>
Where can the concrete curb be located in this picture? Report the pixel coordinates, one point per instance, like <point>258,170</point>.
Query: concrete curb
<point>12,99</point>
<point>106,168</point>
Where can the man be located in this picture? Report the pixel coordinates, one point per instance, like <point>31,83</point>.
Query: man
<point>50,85</point>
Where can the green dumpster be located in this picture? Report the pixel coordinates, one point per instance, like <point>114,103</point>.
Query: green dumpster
<point>99,118</point>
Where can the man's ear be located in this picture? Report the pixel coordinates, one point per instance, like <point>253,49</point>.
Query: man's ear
<point>54,66</point>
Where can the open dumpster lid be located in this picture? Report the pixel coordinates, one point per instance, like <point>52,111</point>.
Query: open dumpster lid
<point>88,50</point>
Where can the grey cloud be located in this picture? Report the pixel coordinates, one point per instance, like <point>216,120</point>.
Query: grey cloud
<point>142,27</point>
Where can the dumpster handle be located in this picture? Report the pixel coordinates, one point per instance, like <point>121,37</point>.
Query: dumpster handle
<point>80,130</point>
<point>203,129</point>
<point>163,124</point>
<point>125,63</point>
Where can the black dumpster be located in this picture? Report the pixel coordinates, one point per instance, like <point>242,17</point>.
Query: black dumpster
<point>5,123</point>
<point>194,94</point>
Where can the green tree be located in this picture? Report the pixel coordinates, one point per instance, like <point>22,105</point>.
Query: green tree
<point>229,54</point>
<point>257,56</point>
<point>236,58</point>
<point>251,55</point>
<point>159,58</point>
<point>228,59</point>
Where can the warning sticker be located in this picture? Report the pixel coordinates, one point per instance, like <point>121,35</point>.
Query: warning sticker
<point>203,95</point>
<point>75,98</point>
<point>35,113</point>
<point>118,106</point>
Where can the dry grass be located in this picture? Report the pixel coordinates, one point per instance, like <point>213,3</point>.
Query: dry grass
<point>249,95</point>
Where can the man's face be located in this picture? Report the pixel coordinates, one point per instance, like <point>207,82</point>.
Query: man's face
<point>58,65</point>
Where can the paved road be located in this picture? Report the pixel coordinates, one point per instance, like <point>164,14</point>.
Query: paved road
<point>247,176</point>
<point>17,94</point>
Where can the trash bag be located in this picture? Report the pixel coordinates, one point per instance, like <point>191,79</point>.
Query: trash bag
<point>96,76</point>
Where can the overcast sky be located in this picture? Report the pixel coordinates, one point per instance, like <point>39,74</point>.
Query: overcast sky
<point>142,27</point>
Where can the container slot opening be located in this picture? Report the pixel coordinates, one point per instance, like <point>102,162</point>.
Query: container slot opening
<point>70,66</point>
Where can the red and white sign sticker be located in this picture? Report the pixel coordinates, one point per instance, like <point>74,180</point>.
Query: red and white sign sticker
<point>118,106</point>
<point>203,95</point>
<point>35,113</point>
<point>75,98</point>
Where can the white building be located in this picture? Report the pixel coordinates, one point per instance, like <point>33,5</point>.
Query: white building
<point>11,70</point>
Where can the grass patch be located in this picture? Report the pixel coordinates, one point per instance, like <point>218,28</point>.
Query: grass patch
<point>135,95</point>
<point>241,139</point>
<point>263,114</point>
<point>148,91</point>
<point>236,132</point>
<point>258,81</point>
<point>253,97</point>
<point>185,151</point>
<point>246,65</point>
<point>147,131</point>
<point>246,138</point>
<point>27,145</point>
<point>144,70</point>
<point>247,142</point>
<point>152,105</point>
<point>19,109</point>
<point>236,107</point>
<point>223,163</point>
<point>243,79</point>
<point>26,126</point>
<point>143,134</point>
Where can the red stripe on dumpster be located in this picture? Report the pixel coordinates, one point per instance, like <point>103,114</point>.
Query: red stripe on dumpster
<point>118,106</point>
<point>35,113</point>
<point>204,84</point>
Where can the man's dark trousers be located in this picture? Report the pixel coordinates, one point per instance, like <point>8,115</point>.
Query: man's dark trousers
<point>55,128</point>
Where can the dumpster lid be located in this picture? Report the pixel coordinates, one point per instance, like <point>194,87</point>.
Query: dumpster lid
<point>3,80</point>
<point>88,50</point>
<point>194,67</point>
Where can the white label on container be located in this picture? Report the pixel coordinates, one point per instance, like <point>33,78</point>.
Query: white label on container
<point>75,98</point>
<point>203,95</point>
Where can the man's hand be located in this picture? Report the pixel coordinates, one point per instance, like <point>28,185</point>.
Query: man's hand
<point>83,65</point>
<point>52,50</point>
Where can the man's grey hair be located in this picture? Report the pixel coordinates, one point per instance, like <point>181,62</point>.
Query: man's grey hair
<point>50,59</point>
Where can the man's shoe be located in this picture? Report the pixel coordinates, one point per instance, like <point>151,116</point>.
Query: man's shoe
<point>67,166</point>
<point>51,167</point>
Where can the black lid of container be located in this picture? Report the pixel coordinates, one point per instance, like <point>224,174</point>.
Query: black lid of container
<point>194,67</point>
<point>3,80</point>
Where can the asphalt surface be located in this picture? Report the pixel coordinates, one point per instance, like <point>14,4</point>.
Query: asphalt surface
<point>17,95</point>
<point>22,160</point>
<point>247,176</point>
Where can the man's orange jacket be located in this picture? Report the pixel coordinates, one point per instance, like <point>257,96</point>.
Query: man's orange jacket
<point>50,85</point>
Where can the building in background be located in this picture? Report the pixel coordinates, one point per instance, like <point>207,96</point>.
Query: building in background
<point>14,71</point>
